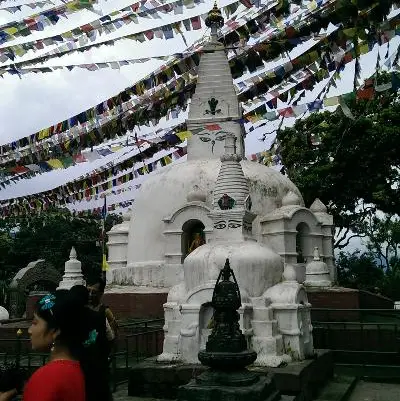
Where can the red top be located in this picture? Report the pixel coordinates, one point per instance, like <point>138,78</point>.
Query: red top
<point>59,380</point>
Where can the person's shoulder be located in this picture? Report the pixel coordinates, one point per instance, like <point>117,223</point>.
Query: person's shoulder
<point>61,365</point>
<point>52,373</point>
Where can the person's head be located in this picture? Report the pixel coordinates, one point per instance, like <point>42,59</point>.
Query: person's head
<point>81,293</point>
<point>96,290</point>
<point>59,321</point>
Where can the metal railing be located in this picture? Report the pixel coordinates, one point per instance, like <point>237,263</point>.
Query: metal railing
<point>137,341</point>
<point>363,339</point>
<point>359,315</point>
<point>144,343</point>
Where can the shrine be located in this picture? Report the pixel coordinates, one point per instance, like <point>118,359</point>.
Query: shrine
<point>171,214</point>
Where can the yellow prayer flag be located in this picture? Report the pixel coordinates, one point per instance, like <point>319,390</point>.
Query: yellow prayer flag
<point>183,135</point>
<point>350,32</point>
<point>44,133</point>
<point>19,51</point>
<point>55,164</point>
<point>104,264</point>
<point>364,48</point>
<point>11,31</point>
<point>67,35</point>
<point>313,5</point>
<point>167,160</point>
<point>331,101</point>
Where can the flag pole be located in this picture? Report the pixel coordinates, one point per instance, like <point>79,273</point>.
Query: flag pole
<point>104,264</point>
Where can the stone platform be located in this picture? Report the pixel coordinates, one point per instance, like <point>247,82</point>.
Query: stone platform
<point>263,390</point>
<point>299,379</point>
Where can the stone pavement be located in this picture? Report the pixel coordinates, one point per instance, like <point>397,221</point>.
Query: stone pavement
<point>369,391</point>
<point>122,395</point>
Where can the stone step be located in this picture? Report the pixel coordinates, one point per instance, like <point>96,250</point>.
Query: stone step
<point>339,388</point>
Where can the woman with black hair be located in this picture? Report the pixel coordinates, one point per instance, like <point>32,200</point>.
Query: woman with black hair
<point>60,326</point>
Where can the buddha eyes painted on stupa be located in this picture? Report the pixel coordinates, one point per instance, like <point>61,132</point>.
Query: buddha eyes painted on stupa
<point>234,224</point>
<point>212,137</point>
<point>220,225</point>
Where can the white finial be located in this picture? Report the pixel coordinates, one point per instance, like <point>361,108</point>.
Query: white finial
<point>196,195</point>
<point>72,254</point>
<point>318,207</point>
<point>316,254</point>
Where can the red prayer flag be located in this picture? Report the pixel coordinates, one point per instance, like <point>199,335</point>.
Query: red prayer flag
<point>196,23</point>
<point>212,127</point>
<point>246,3</point>
<point>287,112</point>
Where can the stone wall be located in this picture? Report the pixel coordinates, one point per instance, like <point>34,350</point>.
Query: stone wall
<point>123,305</point>
<point>344,298</point>
<point>136,305</point>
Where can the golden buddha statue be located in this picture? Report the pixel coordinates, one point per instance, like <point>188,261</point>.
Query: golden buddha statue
<point>197,241</point>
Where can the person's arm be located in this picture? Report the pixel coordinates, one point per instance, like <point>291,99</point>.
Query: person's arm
<point>8,395</point>
<point>112,321</point>
<point>109,332</point>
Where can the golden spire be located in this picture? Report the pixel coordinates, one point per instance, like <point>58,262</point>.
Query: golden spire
<point>214,20</point>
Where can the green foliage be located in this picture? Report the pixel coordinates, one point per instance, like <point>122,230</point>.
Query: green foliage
<point>359,270</point>
<point>356,162</point>
<point>365,272</point>
<point>50,236</point>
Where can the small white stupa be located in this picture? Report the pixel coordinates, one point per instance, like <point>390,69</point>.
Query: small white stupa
<point>317,272</point>
<point>4,315</point>
<point>258,269</point>
<point>72,272</point>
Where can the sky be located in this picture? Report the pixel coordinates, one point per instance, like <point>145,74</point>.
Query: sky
<point>39,100</point>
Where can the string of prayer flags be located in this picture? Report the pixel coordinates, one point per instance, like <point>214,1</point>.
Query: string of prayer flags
<point>316,105</point>
<point>68,124</point>
<point>89,187</point>
<point>38,22</point>
<point>33,5</point>
<point>80,118</point>
<point>82,37</point>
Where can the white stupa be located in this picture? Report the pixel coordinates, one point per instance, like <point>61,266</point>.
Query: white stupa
<point>172,210</point>
<point>72,272</point>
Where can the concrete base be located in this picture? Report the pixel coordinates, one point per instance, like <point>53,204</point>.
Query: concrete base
<point>299,379</point>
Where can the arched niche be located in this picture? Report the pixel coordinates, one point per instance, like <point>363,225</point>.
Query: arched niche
<point>302,241</point>
<point>179,226</point>
<point>37,276</point>
<point>206,323</point>
<point>193,236</point>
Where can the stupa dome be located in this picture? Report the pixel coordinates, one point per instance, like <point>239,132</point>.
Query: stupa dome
<point>256,266</point>
<point>167,190</point>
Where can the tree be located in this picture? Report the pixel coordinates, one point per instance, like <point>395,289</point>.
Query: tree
<point>50,236</point>
<point>352,165</point>
<point>359,270</point>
